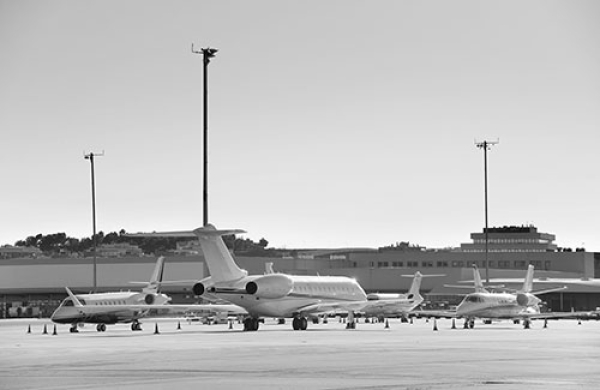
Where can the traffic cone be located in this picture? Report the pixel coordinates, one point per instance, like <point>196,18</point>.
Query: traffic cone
<point>156,328</point>
<point>45,330</point>
<point>387,324</point>
<point>28,329</point>
<point>178,325</point>
<point>435,325</point>
<point>453,324</point>
<point>325,321</point>
<point>54,332</point>
<point>230,324</point>
<point>545,323</point>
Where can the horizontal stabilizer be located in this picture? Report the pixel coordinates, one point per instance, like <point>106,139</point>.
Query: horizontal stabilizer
<point>210,230</point>
<point>187,233</point>
<point>424,276</point>
<point>549,290</point>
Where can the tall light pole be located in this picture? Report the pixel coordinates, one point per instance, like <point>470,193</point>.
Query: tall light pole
<point>486,145</point>
<point>90,156</point>
<point>207,54</point>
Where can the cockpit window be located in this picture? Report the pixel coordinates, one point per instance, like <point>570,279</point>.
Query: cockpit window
<point>474,298</point>
<point>68,302</point>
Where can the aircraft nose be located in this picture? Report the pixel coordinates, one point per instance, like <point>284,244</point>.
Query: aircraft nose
<point>461,310</point>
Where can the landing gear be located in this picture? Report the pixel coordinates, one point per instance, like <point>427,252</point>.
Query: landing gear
<point>300,323</point>
<point>73,328</point>
<point>136,326</point>
<point>351,324</point>
<point>469,323</point>
<point>251,324</point>
<point>526,323</point>
<point>101,327</point>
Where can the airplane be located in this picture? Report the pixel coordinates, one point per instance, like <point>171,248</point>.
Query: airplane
<point>275,295</point>
<point>128,307</point>
<point>523,304</point>
<point>386,305</point>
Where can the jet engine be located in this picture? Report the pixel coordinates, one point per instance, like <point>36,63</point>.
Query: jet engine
<point>198,288</point>
<point>527,299</point>
<point>149,299</point>
<point>271,286</point>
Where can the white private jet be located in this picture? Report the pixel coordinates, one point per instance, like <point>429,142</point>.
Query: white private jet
<point>520,305</point>
<point>128,307</point>
<point>386,305</point>
<point>275,295</point>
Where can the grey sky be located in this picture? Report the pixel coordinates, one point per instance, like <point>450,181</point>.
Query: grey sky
<point>332,123</point>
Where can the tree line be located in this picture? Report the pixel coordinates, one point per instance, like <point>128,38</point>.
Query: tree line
<point>60,243</point>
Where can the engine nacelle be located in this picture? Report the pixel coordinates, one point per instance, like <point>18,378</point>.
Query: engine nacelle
<point>198,289</point>
<point>271,286</point>
<point>527,300</point>
<point>149,299</point>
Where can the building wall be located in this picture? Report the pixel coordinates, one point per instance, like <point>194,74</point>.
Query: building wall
<point>56,274</point>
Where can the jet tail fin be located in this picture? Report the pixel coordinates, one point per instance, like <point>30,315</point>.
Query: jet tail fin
<point>415,286</point>
<point>156,278</point>
<point>528,282</point>
<point>221,265</point>
<point>76,301</point>
<point>477,280</point>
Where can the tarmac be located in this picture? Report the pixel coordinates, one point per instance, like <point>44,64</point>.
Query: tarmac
<point>565,355</point>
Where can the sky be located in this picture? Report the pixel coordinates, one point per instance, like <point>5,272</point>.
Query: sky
<point>331,123</point>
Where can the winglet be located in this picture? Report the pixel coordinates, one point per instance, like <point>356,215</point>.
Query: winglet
<point>76,301</point>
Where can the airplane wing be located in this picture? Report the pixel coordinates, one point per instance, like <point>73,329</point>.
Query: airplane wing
<point>205,309</point>
<point>556,315</point>
<point>400,305</point>
<point>128,313</point>
<point>329,307</point>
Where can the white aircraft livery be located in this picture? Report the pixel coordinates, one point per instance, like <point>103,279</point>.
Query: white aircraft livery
<point>523,304</point>
<point>386,304</point>
<point>128,307</point>
<point>274,295</point>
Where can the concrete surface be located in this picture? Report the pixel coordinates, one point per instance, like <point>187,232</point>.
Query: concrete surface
<point>326,356</point>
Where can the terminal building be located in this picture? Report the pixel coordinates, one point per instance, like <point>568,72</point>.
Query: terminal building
<point>33,285</point>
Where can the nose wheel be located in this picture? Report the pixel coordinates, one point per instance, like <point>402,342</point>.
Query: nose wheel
<point>101,327</point>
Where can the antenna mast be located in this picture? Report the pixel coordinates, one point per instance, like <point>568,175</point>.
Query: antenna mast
<point>486,145</point>
<point>90,156</point>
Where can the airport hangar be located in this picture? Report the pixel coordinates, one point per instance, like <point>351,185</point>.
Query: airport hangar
<point>31,285</point>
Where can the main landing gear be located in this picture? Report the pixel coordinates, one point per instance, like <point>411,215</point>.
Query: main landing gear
<point>251,324</point>
<point>73,328</point>
<point>299,323</point>
<point>101,327</point>
<point>136,326</point>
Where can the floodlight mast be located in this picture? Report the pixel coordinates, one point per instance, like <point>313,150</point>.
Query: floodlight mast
<point>90,156</point>
<point>207,54</point>
<point>486,145</point>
